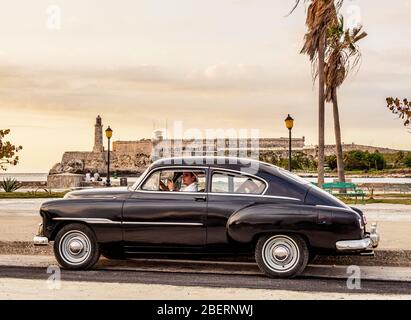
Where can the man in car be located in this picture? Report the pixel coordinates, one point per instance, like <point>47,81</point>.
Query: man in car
<point>190,181</point>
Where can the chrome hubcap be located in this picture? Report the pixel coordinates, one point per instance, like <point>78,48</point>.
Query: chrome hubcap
<point>75,247</point>
<point>280,253</point>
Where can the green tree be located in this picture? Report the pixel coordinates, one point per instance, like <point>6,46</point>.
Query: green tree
<point>399,158</point>
<point>321,15</point>
<point>407,161</point>
<point>400,108</point>
<point>342,56</point>
<point>8,151</point>
<point>360,160</point>
<point>331,161</point>
<point>376,160</point>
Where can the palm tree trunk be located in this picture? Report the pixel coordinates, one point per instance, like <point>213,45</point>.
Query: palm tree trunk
<point>338,144</point>
<point>321,110</point>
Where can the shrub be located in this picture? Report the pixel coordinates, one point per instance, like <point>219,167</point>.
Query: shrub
<point>360,160</point>
<point>10,185</point>
<point>331,162</point>
<point>407,161</point>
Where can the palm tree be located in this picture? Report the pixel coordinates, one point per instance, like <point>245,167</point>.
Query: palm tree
<point>321,15</point>
<point>342,55</point>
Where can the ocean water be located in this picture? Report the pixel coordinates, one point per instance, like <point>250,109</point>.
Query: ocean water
<point>39,177</point>
<point>23,177</point>
<point>43,177</point>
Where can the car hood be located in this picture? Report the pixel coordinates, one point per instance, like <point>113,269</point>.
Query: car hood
<point>98,193</point>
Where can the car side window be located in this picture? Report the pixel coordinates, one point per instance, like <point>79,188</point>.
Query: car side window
<point>179,180</point>
<point>224,182</point>
<point>152,183</point>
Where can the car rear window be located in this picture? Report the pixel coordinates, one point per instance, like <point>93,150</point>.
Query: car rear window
<point>224,182</point>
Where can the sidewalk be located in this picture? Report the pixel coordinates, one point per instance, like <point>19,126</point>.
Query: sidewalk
<point>401,274</point>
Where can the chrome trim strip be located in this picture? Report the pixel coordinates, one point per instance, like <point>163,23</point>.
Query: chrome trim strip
<point>108,221</point>
<point>89,220</point>
<point>252,195</point>
<point>335,208</point>
<point>166,223</point>
<point>174,192</point>
<point>218,194</point>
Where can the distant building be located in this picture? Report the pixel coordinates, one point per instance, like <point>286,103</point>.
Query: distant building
<point>98,135</point>
<point>132,157</point>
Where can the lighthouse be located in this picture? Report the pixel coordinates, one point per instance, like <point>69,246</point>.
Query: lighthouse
<point>98,136</point>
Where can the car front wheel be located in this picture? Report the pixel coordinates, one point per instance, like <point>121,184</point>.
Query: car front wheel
<point>282,256</point>
<point>76,247</point>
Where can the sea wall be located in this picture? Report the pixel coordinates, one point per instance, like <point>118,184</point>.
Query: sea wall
<point>82,162</point>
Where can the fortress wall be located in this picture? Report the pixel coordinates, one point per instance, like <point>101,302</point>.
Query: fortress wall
<point>142,146</point>
<point>352,147</point>
<point>84,156</point>
<point>81,162</point>
<point>270,143</point>
<point>330,149</point>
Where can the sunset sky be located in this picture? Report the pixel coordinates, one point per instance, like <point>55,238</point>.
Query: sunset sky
<point>208,63</point>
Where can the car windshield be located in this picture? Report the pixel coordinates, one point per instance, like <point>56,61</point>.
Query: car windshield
<point>134,187</point>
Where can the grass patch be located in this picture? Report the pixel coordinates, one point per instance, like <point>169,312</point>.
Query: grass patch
<point>31,195</point>
<point>393,195</point>
<point>370,201</point>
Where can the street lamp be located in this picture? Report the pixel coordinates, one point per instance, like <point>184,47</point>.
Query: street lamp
<point>289,123</point>
<point>109,134</point>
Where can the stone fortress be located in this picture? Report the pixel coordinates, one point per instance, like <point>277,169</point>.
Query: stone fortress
<point>132,157</point>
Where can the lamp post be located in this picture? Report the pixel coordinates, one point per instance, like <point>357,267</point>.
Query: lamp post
<point>289,123</point>
<point>109,134</point>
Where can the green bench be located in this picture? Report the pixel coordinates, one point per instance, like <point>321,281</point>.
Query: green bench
<point>344,189</point>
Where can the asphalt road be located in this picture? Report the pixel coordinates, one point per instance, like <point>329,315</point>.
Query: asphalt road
<point>301,284</point>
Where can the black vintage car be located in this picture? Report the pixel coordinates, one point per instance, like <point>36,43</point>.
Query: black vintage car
<point>203,205</point>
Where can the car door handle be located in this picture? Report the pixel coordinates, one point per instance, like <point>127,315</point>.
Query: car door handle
<point>204,199</point>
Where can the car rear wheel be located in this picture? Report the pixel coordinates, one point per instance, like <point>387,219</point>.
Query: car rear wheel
<point>76,247</point>
<point>282,256</point>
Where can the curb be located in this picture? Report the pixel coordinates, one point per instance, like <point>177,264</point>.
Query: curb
<point>24,248</point>
<point>392,258</point>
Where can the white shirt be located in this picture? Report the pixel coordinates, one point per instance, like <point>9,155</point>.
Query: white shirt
<point>190,188</point>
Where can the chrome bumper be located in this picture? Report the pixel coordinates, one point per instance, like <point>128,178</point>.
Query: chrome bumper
<point>368,243</point>
<point>40,240</point>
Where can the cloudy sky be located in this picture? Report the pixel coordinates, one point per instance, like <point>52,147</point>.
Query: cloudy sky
<point>208,63</point>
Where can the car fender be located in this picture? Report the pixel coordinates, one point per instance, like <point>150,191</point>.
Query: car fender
<point>245,224</point>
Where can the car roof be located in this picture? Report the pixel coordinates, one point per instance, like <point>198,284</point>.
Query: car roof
<point>232,163</point>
